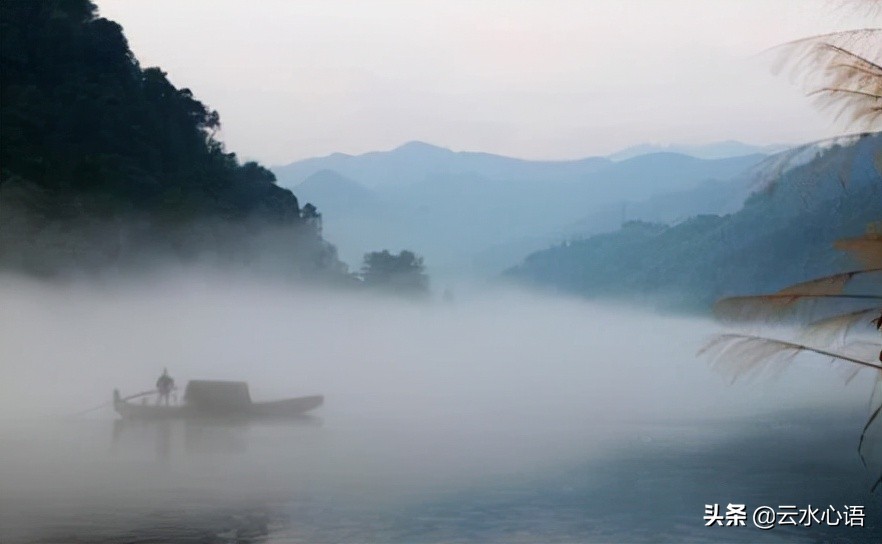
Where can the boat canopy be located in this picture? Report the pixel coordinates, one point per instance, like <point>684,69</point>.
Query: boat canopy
<point>217,394</point>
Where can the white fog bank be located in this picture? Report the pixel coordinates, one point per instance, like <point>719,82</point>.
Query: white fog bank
<point>498,354</point>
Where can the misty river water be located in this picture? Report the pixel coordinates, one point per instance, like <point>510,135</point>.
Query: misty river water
<point>508,418</point>
<point>381,480</point>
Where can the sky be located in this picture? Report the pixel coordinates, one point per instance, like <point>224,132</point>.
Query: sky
<point>530,79</point>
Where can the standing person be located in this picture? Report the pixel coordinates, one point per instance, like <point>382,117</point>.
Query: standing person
<point>165,384</point>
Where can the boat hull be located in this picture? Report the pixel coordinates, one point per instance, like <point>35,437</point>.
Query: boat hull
<point>281,409</point>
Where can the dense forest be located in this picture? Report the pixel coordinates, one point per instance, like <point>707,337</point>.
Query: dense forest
<point>105,164</point>
<point>784,233</point>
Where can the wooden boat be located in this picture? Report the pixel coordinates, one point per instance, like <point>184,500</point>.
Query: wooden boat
<point>204,399</point>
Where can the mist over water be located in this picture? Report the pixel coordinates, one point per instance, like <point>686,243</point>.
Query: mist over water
<point>432,410</point>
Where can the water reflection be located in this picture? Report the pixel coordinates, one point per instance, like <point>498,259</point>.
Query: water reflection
<point>381,480</point>
<point>168,438</point>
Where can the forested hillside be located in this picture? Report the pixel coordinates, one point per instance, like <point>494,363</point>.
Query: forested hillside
<point>783,234</point>
<point>105,163</point>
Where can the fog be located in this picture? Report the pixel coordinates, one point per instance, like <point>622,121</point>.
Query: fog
<point>422,399</point>
<point>485,355</point>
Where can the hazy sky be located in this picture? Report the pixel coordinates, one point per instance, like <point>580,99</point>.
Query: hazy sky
<point>533,79</point>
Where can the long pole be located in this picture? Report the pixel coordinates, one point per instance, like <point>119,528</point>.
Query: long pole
<point>105,404</point>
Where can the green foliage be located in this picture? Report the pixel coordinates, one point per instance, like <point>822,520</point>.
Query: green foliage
<point>95,149</point>
<point>403,273</point>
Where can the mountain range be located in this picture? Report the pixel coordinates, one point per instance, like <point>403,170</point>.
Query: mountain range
<point>714,150</point>
<point>783,234</point>
<point>414,161</point>
<point>475,214</point>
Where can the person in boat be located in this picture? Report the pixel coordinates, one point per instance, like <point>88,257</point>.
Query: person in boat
<point>164,385</point>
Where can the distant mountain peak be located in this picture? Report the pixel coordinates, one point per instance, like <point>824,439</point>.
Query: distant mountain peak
<point>714,150</point>
<point>330,190</point>
<point>416,162</point>
<point>417,145</point>
<point>421,151</point>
